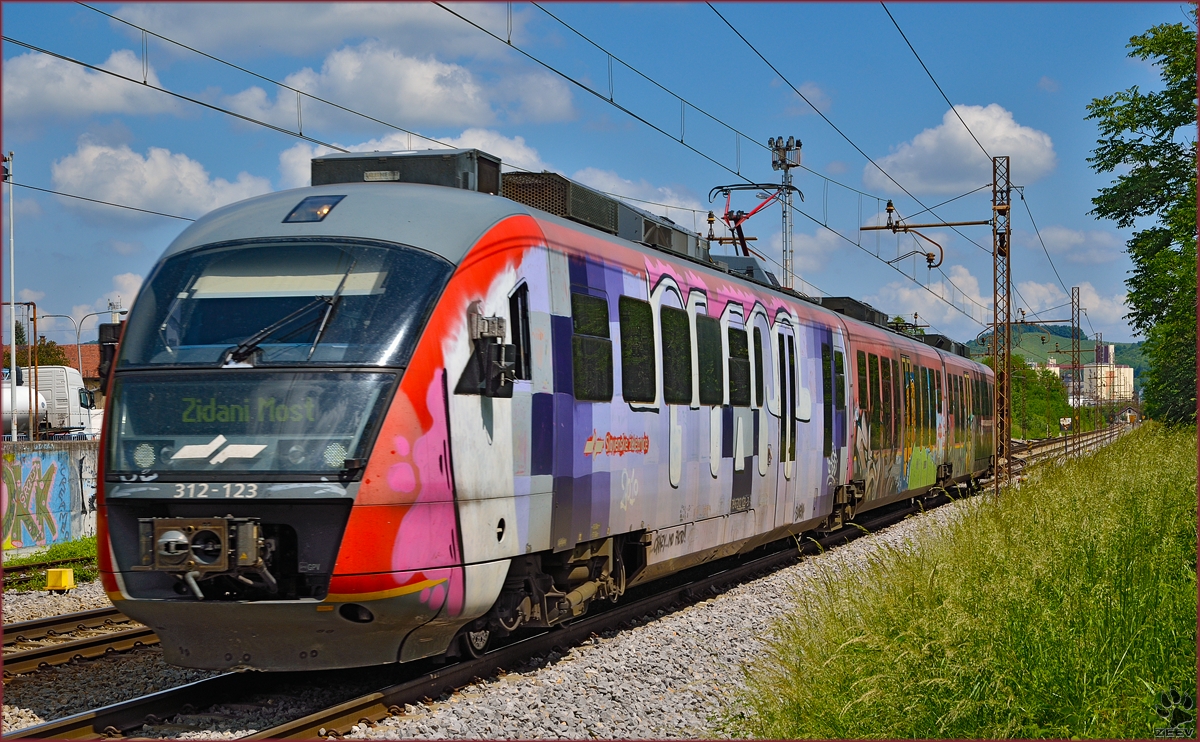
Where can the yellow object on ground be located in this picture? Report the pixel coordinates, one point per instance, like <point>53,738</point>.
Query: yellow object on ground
<point>60,579</point>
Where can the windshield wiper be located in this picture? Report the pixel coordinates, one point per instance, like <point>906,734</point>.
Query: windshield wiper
<point>333,300</point>
<point>244,349</point>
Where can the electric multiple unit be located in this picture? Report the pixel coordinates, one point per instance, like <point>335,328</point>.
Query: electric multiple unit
<point>355,423</point>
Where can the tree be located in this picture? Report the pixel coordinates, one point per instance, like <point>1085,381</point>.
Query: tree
<point>1146,137</point>
<point>46,352</point>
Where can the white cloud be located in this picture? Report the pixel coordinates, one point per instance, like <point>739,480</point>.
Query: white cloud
<point>31,295</point>
<point>684,203</point>
<point>124,291</point>
<point>812,252</point>
<point>159,181</point>
<point>386,83</point>
<point>816,96</point>
<point>121,247</point>
<point>27,207</point>
<point>1105,312</point>
<point>1048,84</point>
<point>1038,297</point>
<point>1077,246</point>
<point>38,87</point>
<point>377,80</point>
<point>938,308</point>
<point>290,29</point>
<point>295,163</point>
<point>945,159</point>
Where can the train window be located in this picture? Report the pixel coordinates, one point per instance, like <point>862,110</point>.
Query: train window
<point>518,313</point>
<point>638,368</point>
<point>886,407</point>
<point>739,368</point>
<point>877,436</point>
<point>677,356</point>
<point>937,386</point>
<point>923,405</point>
<point>317,302</point>
<point>862,382</point>
<point>839,379</point>
<point>791,410</point>
<point>591,348</point>
<point>827,389</point>
<point>760,391</point>
<point>710,360</point>
<point>952,403</point>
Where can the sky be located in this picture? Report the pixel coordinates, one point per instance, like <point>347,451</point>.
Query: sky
<point>533,85</point>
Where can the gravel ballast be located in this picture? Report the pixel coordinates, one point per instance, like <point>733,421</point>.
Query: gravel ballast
<point>27,606</point>
<point>668,676</point>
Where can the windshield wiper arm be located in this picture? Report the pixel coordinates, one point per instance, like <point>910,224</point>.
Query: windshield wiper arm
<point>333,300</point>
<point>250,344</point>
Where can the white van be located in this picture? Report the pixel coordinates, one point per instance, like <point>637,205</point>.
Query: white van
<point>70,406</point>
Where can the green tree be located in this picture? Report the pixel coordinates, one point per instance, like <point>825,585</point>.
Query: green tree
<point>1150,139</point>
<point>46,353</point>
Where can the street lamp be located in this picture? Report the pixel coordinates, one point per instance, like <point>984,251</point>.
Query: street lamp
<point>79,329</point>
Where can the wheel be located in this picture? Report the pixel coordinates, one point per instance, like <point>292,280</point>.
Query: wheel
<point>475,643</point>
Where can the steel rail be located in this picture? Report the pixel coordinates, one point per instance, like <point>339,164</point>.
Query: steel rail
<point>39,627</point>
<point>338,719</point>
<point>27,660</point>
<point>129,716</point>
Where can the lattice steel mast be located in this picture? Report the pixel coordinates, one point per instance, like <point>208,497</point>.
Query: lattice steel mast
<point>1001,318</point>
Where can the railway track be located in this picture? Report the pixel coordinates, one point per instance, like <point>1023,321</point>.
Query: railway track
<point>15,575</point>
<point>29,645</point>
<point>1027,453</point>
<point>398,685</point>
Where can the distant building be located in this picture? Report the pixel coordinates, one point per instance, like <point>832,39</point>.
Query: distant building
<point>91,361</point>
<point>1102,382</point>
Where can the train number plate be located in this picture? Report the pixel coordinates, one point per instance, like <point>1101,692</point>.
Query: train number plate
<point>236,490</point>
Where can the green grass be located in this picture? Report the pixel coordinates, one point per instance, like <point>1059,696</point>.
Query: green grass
<point>84,572</point>
<point>1060,610</point>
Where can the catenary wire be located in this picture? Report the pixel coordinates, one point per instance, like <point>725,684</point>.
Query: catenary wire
<point>691,105</point>
<point>172,93</point>
<point>707,157</point>
<point>98,201</point>
<point>934,81</point>
<point>834,126</point>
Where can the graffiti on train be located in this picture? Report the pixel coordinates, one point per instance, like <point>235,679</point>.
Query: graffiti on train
<point>36,499</point>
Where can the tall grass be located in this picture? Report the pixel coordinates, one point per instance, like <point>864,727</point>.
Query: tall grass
<point>1059,610</point>
<point>84,571</point>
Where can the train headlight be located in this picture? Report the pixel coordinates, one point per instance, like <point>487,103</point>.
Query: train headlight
<point>172,547</point>
<point>296,455</point>
<point>143,456</point>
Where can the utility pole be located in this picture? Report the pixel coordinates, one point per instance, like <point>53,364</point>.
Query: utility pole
<point>12,292</point>
<point>785,156</point>
<point>1076,374</point>
<point>1001,318</point>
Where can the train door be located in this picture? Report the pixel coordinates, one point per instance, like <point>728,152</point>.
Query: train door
<point>786,480</point>
<point>833,378</point>
<point>907,405</point>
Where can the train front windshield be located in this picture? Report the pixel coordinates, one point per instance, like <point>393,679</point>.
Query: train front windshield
<point>287,302</point>
<point>266,356</point>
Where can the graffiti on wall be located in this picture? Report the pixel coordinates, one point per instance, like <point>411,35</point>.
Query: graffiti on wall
<point>36,499</point>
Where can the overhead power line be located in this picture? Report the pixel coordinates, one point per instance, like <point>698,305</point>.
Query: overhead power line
<point>106,203</point>
<point>934,81</point>
<point>612,102</point>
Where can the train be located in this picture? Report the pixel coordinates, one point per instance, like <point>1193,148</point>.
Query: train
<point>422,404</point>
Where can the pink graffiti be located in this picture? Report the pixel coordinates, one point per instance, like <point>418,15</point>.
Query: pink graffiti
<point>428,534</point>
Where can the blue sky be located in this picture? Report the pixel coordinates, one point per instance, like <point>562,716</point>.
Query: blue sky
<point>1020,75</point>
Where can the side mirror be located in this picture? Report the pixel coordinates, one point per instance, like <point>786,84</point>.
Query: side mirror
<point>86,399</point>
<point>501,370</point>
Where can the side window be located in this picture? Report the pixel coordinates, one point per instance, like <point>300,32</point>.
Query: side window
<point>760,393</point>
<point>591,348</point>
<point>922,404</point>
<point>886,407</point>
<point>827,389</point>
<point>839,373</point>
<point>739,368</point>
<point>518,312</point>
<point>677,356</point>
<point>877,428</point>
<point>862,382</point>
<point>638,368</point>
<point>937,385</point>
<point>710,360</point>
<point>791,395</point>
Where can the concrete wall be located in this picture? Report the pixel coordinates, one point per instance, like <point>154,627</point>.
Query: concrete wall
<point>48,493</point>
